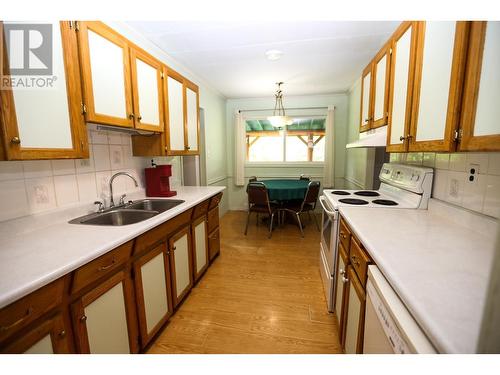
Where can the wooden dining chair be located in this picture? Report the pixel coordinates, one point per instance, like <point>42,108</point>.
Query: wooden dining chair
<point>258,202</point>
<point>252,179</point>
<point>307,205</point>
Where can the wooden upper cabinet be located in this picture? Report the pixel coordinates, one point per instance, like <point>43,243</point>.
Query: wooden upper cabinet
<point>192,117</point>
<point>107,88</point>
<point>366,92</point>
<point>45,123</point>
<point>380,98</point>
<point>182,136</point>
<point>439,71</point>
<point>174,88</point>
<point>147,83</point>
<point>480,125</point>
<point>403,44</point>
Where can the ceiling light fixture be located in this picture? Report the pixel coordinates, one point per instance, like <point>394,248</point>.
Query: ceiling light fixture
<point>274,54</point>
<point>279,119</point>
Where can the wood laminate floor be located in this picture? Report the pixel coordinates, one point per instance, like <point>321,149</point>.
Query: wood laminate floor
<point>259,296</point>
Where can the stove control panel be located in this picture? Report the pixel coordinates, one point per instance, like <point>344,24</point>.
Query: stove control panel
<point>408,177</point>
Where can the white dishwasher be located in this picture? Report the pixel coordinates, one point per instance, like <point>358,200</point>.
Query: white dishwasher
<point>389,326</point>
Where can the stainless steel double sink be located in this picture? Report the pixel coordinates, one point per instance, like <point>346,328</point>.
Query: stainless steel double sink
<point>129,213</point>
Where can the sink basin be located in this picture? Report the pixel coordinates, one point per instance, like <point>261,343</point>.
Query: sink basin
<point>117,217</point>
<point>160,205</point>
<point>132,213</point>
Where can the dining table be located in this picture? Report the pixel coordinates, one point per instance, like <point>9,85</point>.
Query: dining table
<point>281,190</point>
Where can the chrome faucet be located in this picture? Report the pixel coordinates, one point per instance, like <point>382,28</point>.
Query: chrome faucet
<point>111,202</point>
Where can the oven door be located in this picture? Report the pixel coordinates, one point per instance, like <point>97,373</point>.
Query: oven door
<point>329,234</point>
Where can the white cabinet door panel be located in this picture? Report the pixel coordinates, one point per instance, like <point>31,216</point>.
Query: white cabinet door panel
<point>352,326</point>
<point>147,90</point>
<point>107,323</point>
<point>42,114</point>
<point>488,108</point>
<point>365,114</point>
<point>435,83</point>
<point>401,55</point>
<point>182,265</point>
<point>175,114</point>
<point>192,119</point>
<point>108,82</point>
<point>380,79</point>
<point>154,289</point>
<point>200,246</point>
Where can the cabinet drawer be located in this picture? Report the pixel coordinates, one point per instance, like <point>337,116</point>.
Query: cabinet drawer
<point>344,234</point>
<point>213,219</point>
<point>359,260</point>
<point>20,313</point>
<point>214,244</point>
<point>215,200</point>
<point>161,232</point>
<point>101,266</point>
<point>200,209</point>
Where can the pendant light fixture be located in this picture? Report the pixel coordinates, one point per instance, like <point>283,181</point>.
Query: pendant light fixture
<point>279,119</point>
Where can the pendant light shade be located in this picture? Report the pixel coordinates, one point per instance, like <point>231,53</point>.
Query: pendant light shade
<point>279,119</point>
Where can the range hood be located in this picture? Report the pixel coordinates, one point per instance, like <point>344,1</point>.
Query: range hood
<point>371,138</point>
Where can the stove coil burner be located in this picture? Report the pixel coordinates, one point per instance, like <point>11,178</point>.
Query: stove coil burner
<point>385,202</point>
<point>340,192</point>
<point>353,201</point>
<point>364,193</point>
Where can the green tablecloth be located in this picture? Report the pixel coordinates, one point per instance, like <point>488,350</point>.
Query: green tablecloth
<point>281,190</point>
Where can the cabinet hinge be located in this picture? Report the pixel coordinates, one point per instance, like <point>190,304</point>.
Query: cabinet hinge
<point>84,108</point>
<point>162,76</point>
<point>458,135</point>
<point>77,26</point>
<point>71,24</point>
<point>390,51</point>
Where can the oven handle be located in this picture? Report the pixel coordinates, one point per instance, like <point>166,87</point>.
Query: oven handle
<point>329,213</point>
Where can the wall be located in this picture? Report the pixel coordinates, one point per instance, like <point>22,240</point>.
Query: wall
<point>237,195</point>
<point>359,162</point>
<point>451,178</point>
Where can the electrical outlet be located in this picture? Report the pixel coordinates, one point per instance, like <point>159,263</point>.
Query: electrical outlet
<point>473,170</point>
<point>454,186</point>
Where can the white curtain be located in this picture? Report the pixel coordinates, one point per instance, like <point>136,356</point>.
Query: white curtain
<point>329,173</point>
<point>241,149</point>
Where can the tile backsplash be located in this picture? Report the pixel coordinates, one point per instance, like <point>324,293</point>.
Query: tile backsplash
<point>469,180</point>
<point>29,187</point>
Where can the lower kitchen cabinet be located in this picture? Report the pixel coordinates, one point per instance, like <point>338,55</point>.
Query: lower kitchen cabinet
<point>152,290</point>
<point>200,247</point>
<point>104,318</point>
<point>179,247</point>
<point>214,244</point>
<point>354,314</point>
<point>340,292</point>
<point>47,337</point>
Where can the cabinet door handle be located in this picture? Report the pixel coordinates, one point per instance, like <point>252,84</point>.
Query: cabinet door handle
<point>18,321</point>
<point>83,318</point>
<point>342,271</point>
<point>401,138</point>
<point>344,279</point>
<point>104,268</point>
<point>139,118</point>
<point>62,334</point>
<point>131,116</point>
<point>15,140</point>
<point>174,248</point>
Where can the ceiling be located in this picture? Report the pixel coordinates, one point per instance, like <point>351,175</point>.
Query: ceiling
<point>319,57</point>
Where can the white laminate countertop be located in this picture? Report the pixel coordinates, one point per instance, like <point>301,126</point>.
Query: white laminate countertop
<point>36,250</point>
<point>438,261</point>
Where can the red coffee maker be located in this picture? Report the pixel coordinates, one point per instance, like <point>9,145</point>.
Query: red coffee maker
<point>157,181</point>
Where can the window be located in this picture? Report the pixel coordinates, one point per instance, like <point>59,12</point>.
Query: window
<point>303,141</point>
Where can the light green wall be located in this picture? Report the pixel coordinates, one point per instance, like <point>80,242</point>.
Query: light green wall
<point>356,158</point>
<point>237,194</point>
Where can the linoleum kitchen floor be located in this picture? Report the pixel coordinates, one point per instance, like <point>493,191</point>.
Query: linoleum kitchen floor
<point>259,296</point>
